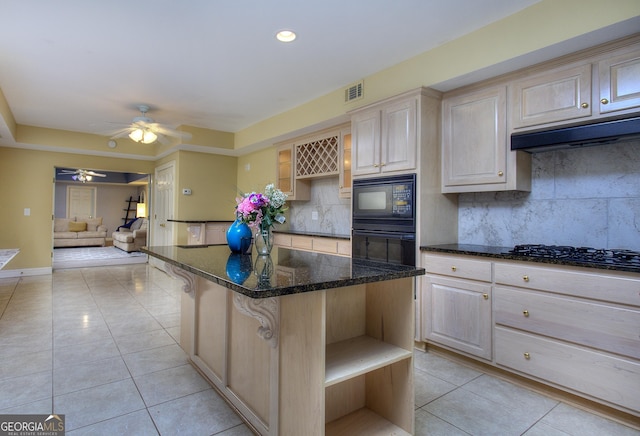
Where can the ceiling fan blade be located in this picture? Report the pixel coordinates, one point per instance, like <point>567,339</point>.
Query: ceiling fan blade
<point>92,173</point>
<point>163,139</point>
<point>171,132</point>
<point>121,133</point>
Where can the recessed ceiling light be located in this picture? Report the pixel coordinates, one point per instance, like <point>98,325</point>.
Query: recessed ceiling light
<point>286,35</point>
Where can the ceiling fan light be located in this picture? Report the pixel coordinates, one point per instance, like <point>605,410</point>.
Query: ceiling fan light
<point>144,136</point>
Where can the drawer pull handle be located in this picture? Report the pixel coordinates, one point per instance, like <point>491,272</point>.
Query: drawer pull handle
<point>485,296</point>
<point>525,313</point>
<point>527,356</point>
<point>525,278</point>
<point>453,268</point>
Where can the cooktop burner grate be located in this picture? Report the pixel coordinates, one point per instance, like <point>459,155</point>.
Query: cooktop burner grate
<point>579,254</point>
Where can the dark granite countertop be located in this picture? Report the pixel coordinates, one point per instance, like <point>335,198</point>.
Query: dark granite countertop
<point>291,271</point>
<point>314,234</point>
<point>503,253</point>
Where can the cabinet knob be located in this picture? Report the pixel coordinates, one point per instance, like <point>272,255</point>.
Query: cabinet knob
<point>485,296</point>
<point>525,313</point>
<point>375,165</point>
<point>527,356</point>
<point>382,164</point>
<point>453,268</point>
<point>525,278</point>
<point>500,173</point>
<point>604,101</point>
<point>584,105</point>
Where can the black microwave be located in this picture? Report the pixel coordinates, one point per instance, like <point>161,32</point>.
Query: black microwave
<point>384,203</point>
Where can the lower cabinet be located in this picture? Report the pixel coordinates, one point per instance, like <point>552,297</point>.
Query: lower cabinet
<point>575,329</point>
<point>320,244</point>
<point>207,233</point>
<point>456,310</point>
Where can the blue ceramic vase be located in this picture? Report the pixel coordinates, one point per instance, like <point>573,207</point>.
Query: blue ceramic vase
<point>239,237</point>
<point>239,267</point>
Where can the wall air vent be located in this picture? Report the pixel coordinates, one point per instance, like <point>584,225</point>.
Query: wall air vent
<point>354,92</point>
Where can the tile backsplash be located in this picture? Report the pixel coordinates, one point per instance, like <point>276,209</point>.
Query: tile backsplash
<point>333,212</point>
<point>581,197</point>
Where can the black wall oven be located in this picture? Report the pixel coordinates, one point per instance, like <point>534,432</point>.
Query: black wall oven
<point>384,219</point>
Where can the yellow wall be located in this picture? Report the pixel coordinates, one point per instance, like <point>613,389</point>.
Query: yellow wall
<point>26,181</point>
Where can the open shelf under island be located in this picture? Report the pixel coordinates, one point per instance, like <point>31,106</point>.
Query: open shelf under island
<point>301,342</point>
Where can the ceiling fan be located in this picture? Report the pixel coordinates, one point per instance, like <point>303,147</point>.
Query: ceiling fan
<point>81,175</point>
<point>144,130</point>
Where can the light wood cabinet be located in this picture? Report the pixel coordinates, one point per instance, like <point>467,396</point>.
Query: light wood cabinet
<point>619,82</point>
<point>574,329</point>
<point>384,136</point>
<point>320,244</point>
<point>595,87</point>
<point>207,233</point>
<point>456,310</point>
<point>345,177</point>
<point>295,189</point>
<point>558,95</point>
<point>475,152</point>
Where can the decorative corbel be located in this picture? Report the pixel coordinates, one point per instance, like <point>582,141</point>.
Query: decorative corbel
<point>266,311</point>
<point>189,279</point>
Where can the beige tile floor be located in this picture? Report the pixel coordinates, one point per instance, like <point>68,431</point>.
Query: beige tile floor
<point>99,345</point>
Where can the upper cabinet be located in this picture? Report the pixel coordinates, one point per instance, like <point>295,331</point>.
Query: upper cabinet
<point>322,154</point>
<point>619,82</point>
<point>344,177</point>
<point>597,87</point>
<point>475,152</point>
<point>384,137</point>
<point>558,95</point>
<point>287,182</point>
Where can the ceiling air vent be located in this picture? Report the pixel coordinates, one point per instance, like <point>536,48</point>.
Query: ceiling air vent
<point>354,92</point>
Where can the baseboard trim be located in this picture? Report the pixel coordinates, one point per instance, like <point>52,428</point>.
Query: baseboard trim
<point>9,273</point>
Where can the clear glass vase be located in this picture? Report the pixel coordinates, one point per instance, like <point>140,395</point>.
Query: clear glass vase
<point>263,240</point>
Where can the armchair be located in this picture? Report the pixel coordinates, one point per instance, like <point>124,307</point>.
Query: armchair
<point>133,238</point>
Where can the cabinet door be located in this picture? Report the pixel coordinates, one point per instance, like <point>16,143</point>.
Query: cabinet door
<point>399,136</point>
<point>285,169</point>
<point>457,314</point>
<point>365,138</point>
<point>286,181</point>
<point>620,82</point>
<point>344,177</point>
<point>551,97</point>
<point>474,140</point>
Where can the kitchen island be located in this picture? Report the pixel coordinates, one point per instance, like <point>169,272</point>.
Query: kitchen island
<point>301,342</point>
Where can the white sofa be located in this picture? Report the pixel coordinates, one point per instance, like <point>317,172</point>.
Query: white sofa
<point>68,232</point>
<point>133,238</point>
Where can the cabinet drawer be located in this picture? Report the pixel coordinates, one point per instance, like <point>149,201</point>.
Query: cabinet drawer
<point>456,266</point>
<point>344,248</point>
<point>282,240</point>
<point>325,245</point>
<point>585,371</point>
<point>597,286</point>
<point>303,242</point>
<point>596,325</point>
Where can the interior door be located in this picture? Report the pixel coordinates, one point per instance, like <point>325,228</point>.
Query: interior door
<point>163,208</point>
<point>81,202</point>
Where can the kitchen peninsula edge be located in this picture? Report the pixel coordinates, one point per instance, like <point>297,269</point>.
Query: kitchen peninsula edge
<point>317,345</point>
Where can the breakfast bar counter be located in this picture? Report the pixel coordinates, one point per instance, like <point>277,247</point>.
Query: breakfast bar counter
<point>300,342</point>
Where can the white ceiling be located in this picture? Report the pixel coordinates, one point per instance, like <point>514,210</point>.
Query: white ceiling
<point>78,65</point>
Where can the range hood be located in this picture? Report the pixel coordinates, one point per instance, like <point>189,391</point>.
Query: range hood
<point>599,133</point>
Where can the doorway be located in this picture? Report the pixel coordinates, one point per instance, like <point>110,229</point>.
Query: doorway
<point>106,197</point>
